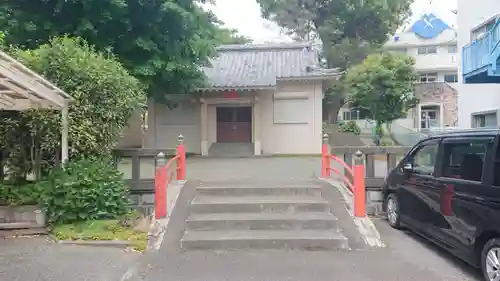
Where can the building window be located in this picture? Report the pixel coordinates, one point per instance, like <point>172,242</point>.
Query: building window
<point>427,50</point>
<point>452,49</point>
<point>484,120</point>
<point>291,108</point>
<point>481,31</point>
<point>400,51</point>
<point>356,114</point>
<point>451,78</point>
<point>428,77</point>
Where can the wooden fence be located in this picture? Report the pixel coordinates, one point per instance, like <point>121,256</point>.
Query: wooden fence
<point>379,161</point>
<point>138,166</point>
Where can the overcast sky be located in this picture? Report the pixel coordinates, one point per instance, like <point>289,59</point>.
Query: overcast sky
<point>244,15</point>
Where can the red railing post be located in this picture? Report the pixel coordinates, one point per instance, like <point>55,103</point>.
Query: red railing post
<point>359,185</point>
<point>160,187</point>
<point>325,157</point>
<point>181,161</point>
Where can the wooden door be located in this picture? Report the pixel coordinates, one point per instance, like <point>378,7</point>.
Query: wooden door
<point>234,124</point>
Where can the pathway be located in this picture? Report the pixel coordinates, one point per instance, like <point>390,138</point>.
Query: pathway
<point>405,258</point>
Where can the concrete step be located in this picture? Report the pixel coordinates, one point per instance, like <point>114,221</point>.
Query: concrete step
<point>22,232</point>
<point>241,190</point>
<point>263,221</point>
<point>18,225</point>
<point>264,239</point>
<point>255,204</point>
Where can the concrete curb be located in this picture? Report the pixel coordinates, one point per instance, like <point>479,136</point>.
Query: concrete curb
<point>158,227</point>
<point>365,226</point>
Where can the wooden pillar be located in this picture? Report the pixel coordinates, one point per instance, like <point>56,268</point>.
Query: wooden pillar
<point>204,127</point>
<point>257,126</point>
<point>64,133</point>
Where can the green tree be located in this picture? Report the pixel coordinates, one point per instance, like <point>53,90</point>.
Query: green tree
<point>163,43</point>
<point>105,94</point>
<point>349,30</point>
<point>383,84</point>
<point>227,36</point>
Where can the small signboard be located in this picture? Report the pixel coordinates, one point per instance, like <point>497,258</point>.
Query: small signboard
<point>231,95</point>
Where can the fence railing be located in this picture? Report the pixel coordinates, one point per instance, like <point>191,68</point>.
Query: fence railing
<point>164,175</point>
<point>476,54</point>
<point>140,170</point>
<point>378,162</point>
<point>404,136</point>
<point>356,172</point>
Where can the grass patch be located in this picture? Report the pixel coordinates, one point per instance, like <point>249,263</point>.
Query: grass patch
<point>101,230</point>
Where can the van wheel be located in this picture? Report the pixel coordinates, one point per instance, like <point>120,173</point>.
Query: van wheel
<point>392,207</point>
<point>490,260</point>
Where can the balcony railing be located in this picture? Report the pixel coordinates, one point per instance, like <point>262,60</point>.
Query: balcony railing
<point>477,54</point>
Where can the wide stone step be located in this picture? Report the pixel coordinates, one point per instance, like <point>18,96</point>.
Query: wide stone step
<point>264,239</point>
<point>241,190</point>
<point>262,221</point>
<point>255,204</point>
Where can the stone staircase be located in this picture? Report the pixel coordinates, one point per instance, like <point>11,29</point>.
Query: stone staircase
<point>231,149</point>
<point>233,215</point>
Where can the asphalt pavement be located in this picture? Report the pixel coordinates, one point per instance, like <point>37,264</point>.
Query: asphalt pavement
<point>406,257</point>
<point>39,259</point>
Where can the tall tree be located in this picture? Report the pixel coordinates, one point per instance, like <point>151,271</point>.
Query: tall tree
<point>226,36</point>
<point>348,29</point>
<point>383,84</point>
<point>162,42</point>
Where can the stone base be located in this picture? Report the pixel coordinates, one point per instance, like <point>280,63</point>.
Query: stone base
<point>143,203</point>
<point>32,215</point>
<point>374,202</point>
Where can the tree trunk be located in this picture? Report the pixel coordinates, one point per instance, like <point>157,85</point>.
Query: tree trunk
<point>331,109</point>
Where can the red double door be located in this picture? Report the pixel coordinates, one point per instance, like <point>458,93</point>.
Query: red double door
<point>234,124</point>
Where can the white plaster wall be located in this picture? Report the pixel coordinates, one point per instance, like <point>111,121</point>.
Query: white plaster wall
<point>165,125</point>
<point>470,15</point>
<point>132,134</point>
<point>474,98</point>
<point>292,138</point>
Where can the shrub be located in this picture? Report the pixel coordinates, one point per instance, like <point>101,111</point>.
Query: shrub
<point>105,97</point>
<point>86,189</point>
<point>14,195</point>
<point>350,127</point>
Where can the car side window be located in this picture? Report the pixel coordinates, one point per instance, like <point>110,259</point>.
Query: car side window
<point>424,159</point>
<point>465,159</point>
<point>496,167</point>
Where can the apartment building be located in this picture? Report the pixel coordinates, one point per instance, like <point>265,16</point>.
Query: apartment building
<point>433,44</point>
<point>479,63</point>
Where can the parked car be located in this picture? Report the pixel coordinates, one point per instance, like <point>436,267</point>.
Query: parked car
<point>447,189</point>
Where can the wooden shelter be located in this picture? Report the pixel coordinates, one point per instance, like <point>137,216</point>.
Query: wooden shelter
<point>22,89</point>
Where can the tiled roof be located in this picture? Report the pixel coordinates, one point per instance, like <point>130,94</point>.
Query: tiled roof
<point>259,66</point>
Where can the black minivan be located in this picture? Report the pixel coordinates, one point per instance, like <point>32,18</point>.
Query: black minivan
<point>447,189</point>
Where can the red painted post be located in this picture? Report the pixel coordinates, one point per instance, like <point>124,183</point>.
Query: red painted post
<point>160,187</point>
<point>359,185</point>
<point>181,161</point>
<point>325,158</point>
<point>446,198</point>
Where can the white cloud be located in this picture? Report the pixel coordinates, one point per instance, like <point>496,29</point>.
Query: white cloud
<point>244,15</point>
